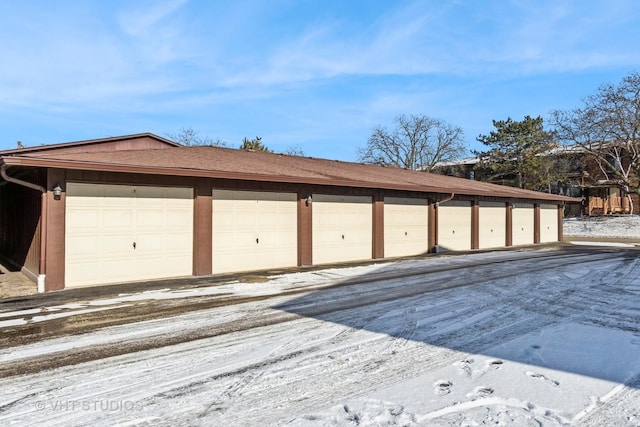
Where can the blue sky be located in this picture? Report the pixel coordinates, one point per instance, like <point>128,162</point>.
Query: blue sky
<point>317,74</point>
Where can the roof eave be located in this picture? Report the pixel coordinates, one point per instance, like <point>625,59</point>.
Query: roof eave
<point>202,173</point>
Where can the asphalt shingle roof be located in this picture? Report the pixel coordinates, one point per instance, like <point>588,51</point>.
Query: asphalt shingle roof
<point>264,166</point>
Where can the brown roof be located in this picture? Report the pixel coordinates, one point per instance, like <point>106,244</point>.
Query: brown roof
<point>217,162</point>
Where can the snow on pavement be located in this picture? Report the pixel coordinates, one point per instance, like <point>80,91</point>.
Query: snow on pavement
<point>535,338</point>
<point>521,382</point>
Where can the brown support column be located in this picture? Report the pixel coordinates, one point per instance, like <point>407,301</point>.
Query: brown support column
<point>378,225</point>
<point>509,234</point>
<point>432,237</point>
<point>475,224</point>
<point>305,211</point>
<point>53,232</point>
<point>536,223</point>
<point>560,216</point>
<point>203,229</point>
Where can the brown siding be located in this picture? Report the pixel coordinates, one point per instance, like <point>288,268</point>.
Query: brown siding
<point>128,178</point>
<point>20,222</point>
<point>305,212</point>
<point>536,223</point>
<point>432,238</point>
<point>55,233</point>
<point>560,231</point>
<point>509,236</point>
<point>139,143</point>
<point>133,144</point>
<point>378,225</point>
<point>202,229</point>
<point>32,262</point>
<point>475,224</point>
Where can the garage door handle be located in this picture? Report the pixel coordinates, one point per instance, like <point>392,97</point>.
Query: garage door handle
<point>134,245</point>
<point>257,240</point>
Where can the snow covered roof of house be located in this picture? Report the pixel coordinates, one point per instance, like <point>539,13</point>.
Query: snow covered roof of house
<point>459,162</point>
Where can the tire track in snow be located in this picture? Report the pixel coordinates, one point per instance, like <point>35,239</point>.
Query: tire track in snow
<point>423,279</point>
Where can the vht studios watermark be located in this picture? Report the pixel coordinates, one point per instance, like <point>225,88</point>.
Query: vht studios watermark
<point>104,405</point>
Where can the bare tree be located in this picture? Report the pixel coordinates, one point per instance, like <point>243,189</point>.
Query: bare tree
<point>190,137</point>
<point>294,150</point>
<point>607,127</point>
<point>416,142</point>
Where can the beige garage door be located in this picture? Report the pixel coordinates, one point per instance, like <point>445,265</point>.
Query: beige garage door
<point>342,228</point>
<point>405,226</point>
<point>548,223</point>
<point>121,233</point>
<point>493,224</point>
<point>454,226</point>
<point>254,230</point>
<point>522,220</point>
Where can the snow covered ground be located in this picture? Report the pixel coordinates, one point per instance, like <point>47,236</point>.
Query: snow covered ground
<point>529,337</point>
<point>623,226</point>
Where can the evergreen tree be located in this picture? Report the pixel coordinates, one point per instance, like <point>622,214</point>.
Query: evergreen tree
<point>520,154</point>
<point>254,145</point>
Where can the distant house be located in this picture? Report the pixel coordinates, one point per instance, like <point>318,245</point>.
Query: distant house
<point>579,177</point>
<point>462,168</point>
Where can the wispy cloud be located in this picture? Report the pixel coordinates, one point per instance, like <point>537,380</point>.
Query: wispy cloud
<point>563,36</point>
<point>155,31</point>
<point>390,45</point>
<point>144,19</point>
<point>74,56</point>
<point>135,49</point>
<point>458,38</point>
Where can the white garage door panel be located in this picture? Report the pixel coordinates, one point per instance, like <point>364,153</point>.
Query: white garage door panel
<point>454,225</point>
<point>113,244</point>
<point>254,230</point>
<point>405,226</point>
<point>492,222</point>
<point>169,209</point>
<point>548,223</point>
<point>114,217</point>
<point>342,228</point>
<point>103,221</point>
<point>149,219</point>
<point>522,221</point>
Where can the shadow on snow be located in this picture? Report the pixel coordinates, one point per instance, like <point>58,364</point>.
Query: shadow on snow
<point>576,312</point>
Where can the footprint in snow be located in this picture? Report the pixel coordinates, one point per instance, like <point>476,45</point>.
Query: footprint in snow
<point>479,392</point>
<point>495,364</point>
<point>538,376</point>
<point>442,387</point>
<point>532,349</point>
<point>464,366</point>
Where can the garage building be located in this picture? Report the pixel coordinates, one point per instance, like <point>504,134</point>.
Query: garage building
<point>141,207</point>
